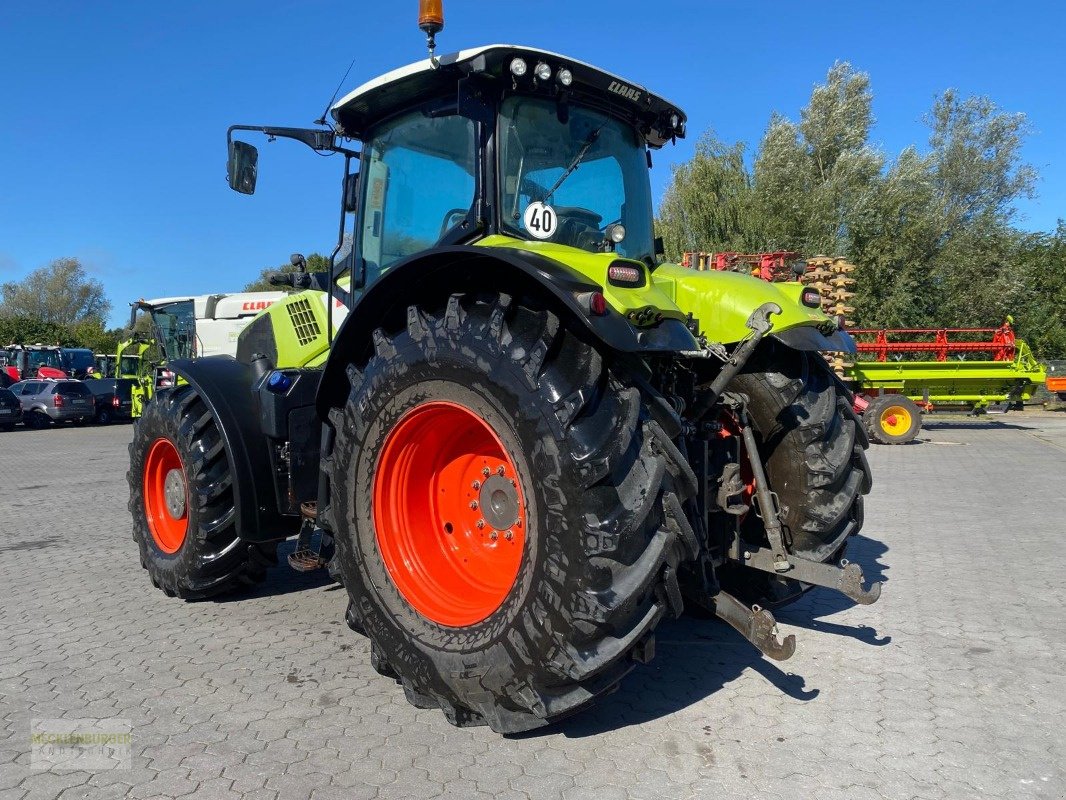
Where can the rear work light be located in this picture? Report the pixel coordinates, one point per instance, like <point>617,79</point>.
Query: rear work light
<point>811,298</point>
<point>625,275</point>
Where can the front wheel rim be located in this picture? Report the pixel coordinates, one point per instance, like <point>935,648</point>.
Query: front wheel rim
<point>449,513</point>
<point>166,496</point>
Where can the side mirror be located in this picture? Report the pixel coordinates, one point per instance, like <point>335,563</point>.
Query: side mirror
<point>351,193</point>
<point>242,166</point>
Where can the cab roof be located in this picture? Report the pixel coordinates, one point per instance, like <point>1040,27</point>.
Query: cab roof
<point>356,113</point>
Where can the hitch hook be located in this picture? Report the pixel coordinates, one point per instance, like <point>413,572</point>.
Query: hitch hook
<point>755,624</point>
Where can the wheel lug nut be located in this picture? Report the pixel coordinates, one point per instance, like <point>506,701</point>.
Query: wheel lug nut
<point>508,536</point>
<point>518,524</point>
<point>494,536</point>
<point>485,472</point>
<point>480,524</point>
<point>500,470</point>
<point>473,504</point>
<point>514,482</point>
<point>476,484</point>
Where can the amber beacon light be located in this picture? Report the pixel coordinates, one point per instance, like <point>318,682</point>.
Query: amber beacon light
<point>431,16</point>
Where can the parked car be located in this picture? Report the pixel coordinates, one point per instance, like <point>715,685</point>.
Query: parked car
<point>114,398</point>
<point>47,401</point>
<point>10,410</point>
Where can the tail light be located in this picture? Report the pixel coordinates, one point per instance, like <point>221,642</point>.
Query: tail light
<point>57,400</point>
<point>115,402</point>
<point>595,302</point>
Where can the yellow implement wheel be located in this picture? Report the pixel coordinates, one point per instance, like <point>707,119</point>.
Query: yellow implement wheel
<point>892,419</point>
<point>896,420</point>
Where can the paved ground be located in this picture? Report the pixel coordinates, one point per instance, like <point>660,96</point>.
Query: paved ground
<point>952,686</point>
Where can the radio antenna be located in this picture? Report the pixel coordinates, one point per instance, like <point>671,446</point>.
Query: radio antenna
<point>322,119</point>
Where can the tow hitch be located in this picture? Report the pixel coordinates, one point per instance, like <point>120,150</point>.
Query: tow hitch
<point>756,624</point>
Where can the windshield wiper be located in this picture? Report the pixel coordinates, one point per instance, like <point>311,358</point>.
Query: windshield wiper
<point>584,151</point>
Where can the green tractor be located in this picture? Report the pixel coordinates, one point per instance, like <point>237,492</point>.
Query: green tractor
<point>519,441</point>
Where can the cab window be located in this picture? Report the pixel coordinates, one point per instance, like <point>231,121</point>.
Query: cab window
<point>418,185</point>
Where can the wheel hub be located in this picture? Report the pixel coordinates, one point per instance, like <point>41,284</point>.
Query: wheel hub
<point>174,492</point>
<point>499,502</point>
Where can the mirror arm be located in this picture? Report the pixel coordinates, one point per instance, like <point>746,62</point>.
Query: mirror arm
<point>315,138</point>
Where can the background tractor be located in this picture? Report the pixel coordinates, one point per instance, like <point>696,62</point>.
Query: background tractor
<point>32,361</point>
<point>183,327</point>
<point>519,440</point>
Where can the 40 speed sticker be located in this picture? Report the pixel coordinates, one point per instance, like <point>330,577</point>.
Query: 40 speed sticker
<point>541,220</point>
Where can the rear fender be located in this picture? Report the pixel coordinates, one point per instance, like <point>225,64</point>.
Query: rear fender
<point>430,276</point>
<point>226,387</point>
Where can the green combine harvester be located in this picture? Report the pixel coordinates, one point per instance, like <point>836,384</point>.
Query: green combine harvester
<point>921,370</point>
<point>516,438</point>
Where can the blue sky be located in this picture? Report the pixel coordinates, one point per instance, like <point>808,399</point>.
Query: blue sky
<point>113,114</point>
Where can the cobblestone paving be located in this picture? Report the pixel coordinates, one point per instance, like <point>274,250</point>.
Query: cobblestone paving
<point>952,686</point>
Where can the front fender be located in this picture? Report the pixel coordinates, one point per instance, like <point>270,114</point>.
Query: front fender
<point>721,302</point>
<point>225,386</point>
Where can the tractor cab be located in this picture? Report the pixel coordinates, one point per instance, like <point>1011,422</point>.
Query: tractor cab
<point>499,140</point>
<point>33,361</point>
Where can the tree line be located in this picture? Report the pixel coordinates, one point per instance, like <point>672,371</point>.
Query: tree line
<point>58,304</point>
<point>933,230</point>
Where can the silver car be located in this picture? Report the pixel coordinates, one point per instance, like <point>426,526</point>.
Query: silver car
<point>47,401</point>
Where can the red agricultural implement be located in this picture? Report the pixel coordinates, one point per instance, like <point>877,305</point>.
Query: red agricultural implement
<point>782,265</point>
<point>902,373</point>
<point>999,342</point>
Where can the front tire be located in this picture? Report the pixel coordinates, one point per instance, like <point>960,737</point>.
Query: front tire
<point>813,450</point>
<point>182,502</point>
<point>566,604</point>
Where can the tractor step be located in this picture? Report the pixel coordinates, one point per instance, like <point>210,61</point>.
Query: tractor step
<point>306,557</point>
<point>845,577</point>
<point>306,561</point>
<point>755,624</point>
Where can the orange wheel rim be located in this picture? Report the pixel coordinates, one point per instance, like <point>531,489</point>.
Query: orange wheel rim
<point>449,514</point>
<point>166,496</point>
<point>895,420</point>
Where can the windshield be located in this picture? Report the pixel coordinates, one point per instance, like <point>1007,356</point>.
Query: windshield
<point>589,173</point>
<point>129,365</point>
<point>43,358</point>
<point>176,324</point>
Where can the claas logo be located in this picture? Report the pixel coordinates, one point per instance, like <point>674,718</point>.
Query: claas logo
<point>256,305</point>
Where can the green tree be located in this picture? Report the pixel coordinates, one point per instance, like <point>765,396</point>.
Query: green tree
<point>61,293</point>
<point>931,230</point>
<point>316,262</point>
<point>812,179</point>
<point>708,205</point>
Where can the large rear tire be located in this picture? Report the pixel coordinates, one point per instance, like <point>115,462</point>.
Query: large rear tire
<point>564,606</point>
<point>812,447</point>
<point>181,499</point>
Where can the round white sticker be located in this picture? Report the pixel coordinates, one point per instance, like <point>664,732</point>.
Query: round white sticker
<point>540,220</point>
